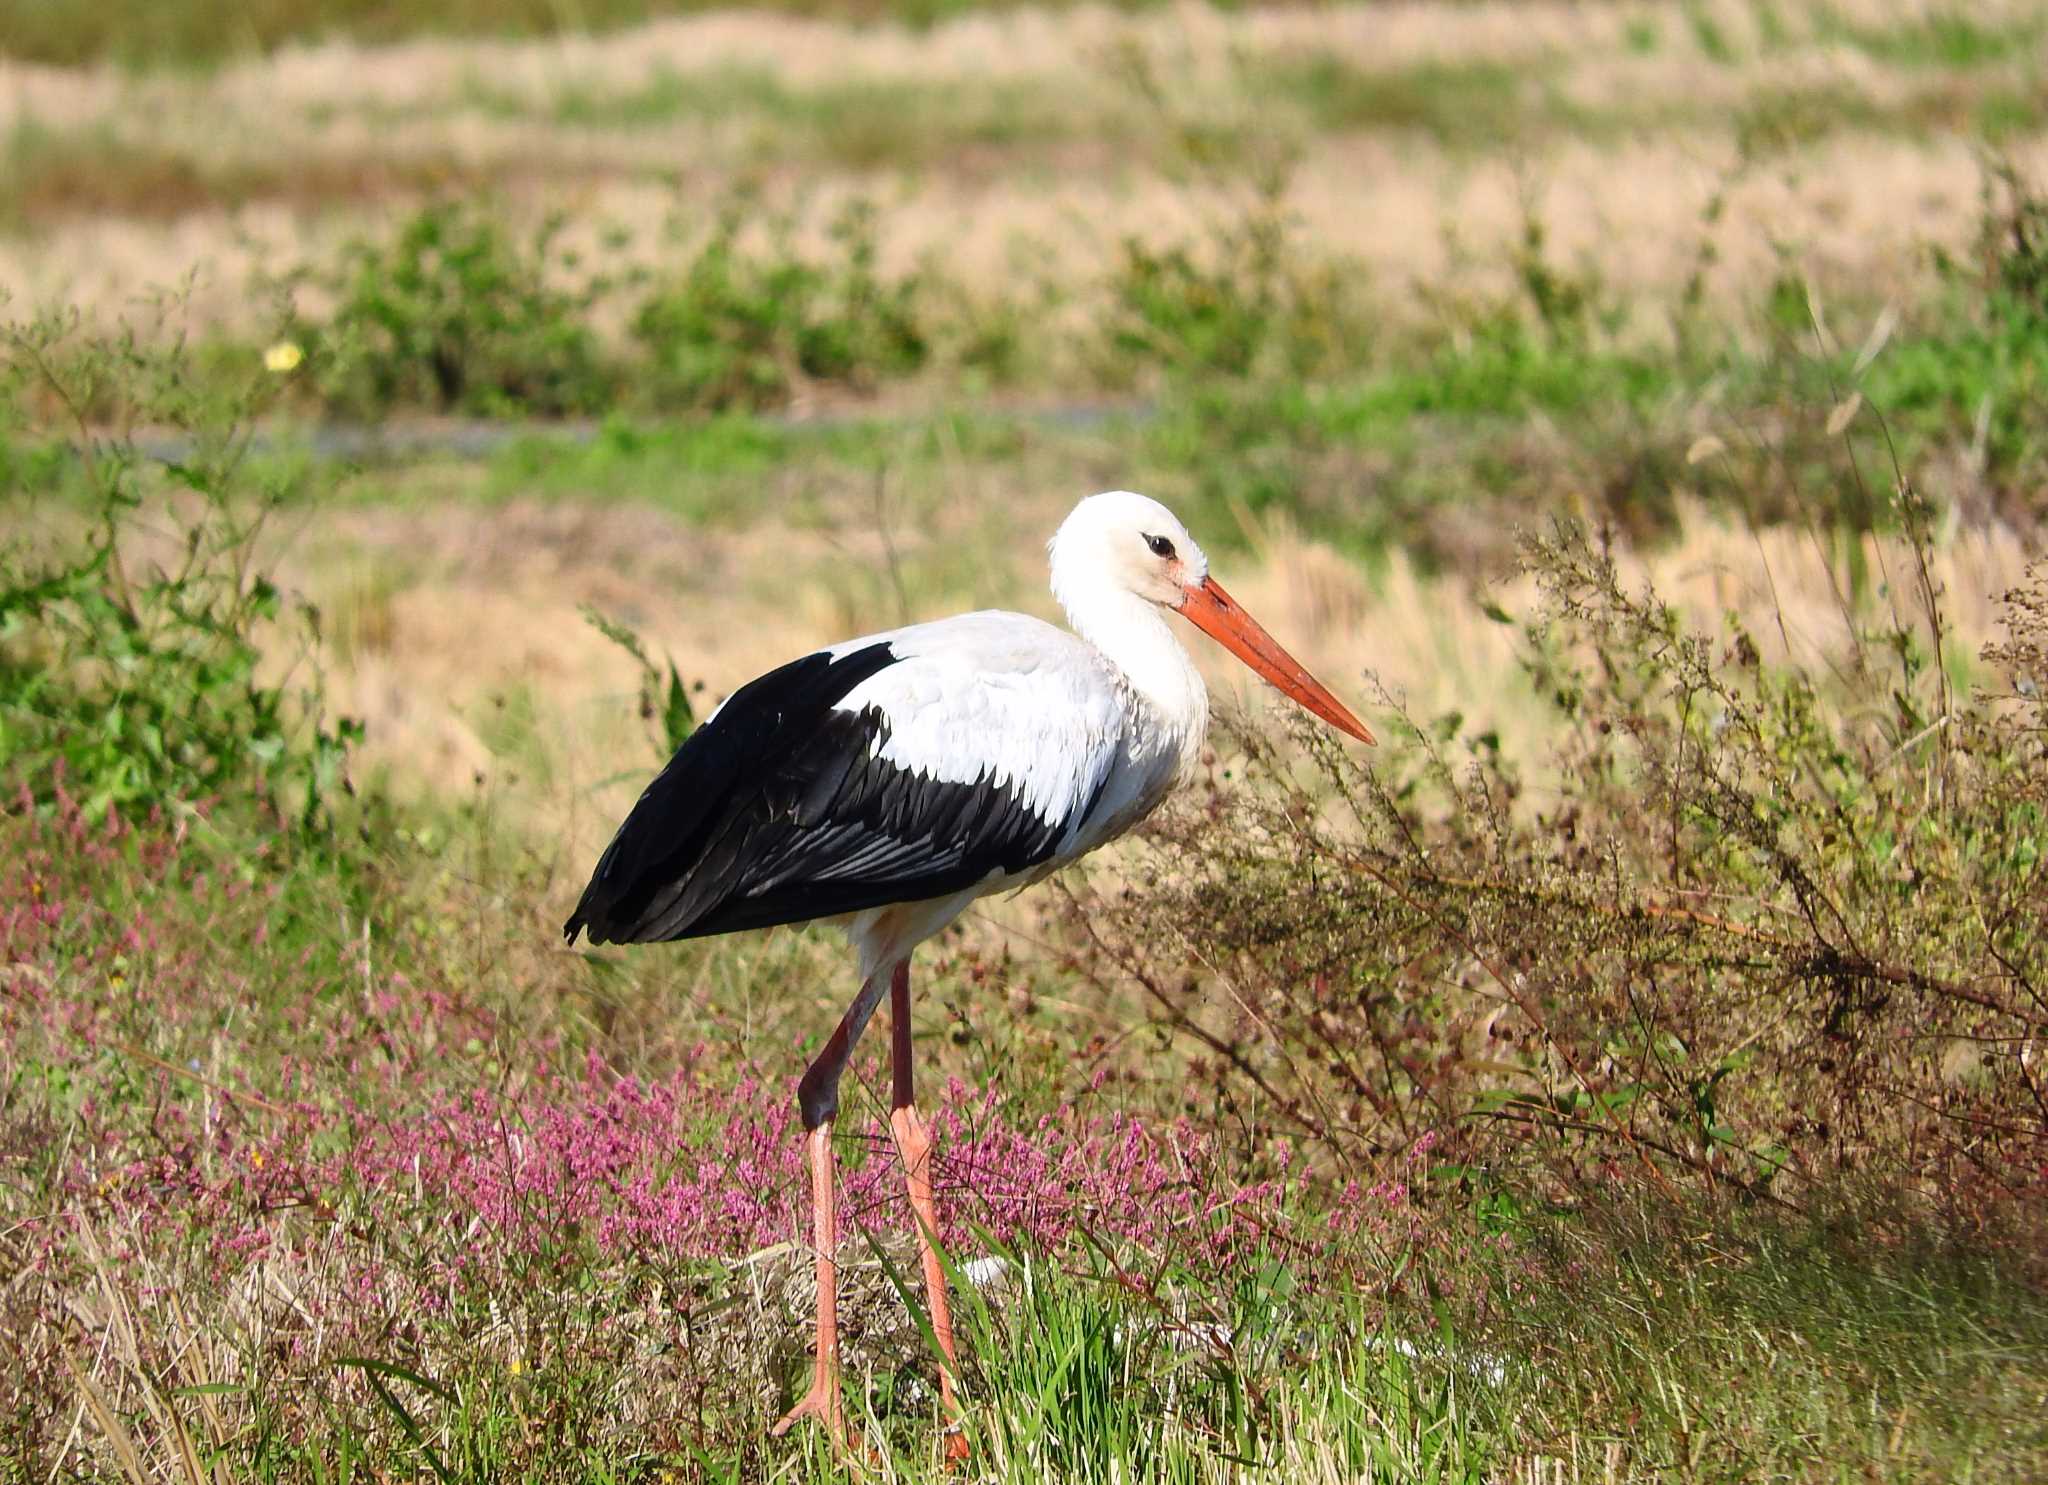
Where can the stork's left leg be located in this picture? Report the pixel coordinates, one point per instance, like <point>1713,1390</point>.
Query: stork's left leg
<point>817,1097</point>
<point>914,1143</point>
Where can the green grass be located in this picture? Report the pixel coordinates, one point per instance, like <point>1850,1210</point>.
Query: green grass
<point>1944,38</point>
<point>211,31</point>
<point>718,472</point>
<point>1468,105</point>
<point>1718,1357</point>
<point>852,125</point>
<point>55,176</point>
<point>1708,36</point>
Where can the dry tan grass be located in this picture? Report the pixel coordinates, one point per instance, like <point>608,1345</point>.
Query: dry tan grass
<point>1012,44</point>
<point>274,161</point>
<point>428,75</point>
<point>477,619</point>
<point>1854,210</point>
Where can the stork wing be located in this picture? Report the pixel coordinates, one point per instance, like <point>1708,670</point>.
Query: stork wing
<point>908,766</point>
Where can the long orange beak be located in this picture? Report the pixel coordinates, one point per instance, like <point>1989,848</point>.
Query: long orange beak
<point>1217,615</point>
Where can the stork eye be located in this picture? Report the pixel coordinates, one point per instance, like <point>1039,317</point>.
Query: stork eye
<point>1160,546</point>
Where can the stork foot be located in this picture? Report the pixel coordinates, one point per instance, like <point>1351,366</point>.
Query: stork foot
<point>823,1403</point>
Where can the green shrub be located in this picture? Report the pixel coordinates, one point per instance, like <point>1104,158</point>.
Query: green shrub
<point>139,637</point>
<point>1767,928</point>
<point>1246,300</point>
<point>1979,364</point>
<point>456,314</point>
<point>738,329</point>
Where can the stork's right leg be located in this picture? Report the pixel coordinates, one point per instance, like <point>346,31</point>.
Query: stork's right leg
<point>914,1143</point>
<point>817,1097</point>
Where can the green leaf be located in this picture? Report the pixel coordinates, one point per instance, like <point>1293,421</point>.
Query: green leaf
<point>679,718</point>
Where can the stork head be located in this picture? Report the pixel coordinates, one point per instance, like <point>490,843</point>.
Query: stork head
<point>1128,543</point>
<point>1121,542</point>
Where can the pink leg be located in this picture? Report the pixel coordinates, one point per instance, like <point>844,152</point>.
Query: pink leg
<point>818,1098</point>
<point>914,1143</point>
<point>822,1401</point>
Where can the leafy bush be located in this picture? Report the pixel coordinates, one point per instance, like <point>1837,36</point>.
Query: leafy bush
<point>456,314</point>
<point>742,330</point>
<point>133,667</point>
<point>1766,928</point>
<point>1244,301</point>
<point>1980,364</point>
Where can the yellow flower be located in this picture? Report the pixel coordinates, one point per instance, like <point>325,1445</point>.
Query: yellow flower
<point>282,357</point>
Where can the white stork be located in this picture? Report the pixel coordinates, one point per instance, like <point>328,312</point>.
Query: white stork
<point>887,782</point>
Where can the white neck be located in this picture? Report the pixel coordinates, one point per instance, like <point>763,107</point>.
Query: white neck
<point>1133,635</point>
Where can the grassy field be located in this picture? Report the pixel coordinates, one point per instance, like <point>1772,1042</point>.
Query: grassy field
<point>1631,1070</point>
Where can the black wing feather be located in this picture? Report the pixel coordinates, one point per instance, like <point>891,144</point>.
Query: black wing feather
<point>778,811</point>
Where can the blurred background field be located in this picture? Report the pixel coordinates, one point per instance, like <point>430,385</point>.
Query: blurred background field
<point>411,419</point>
